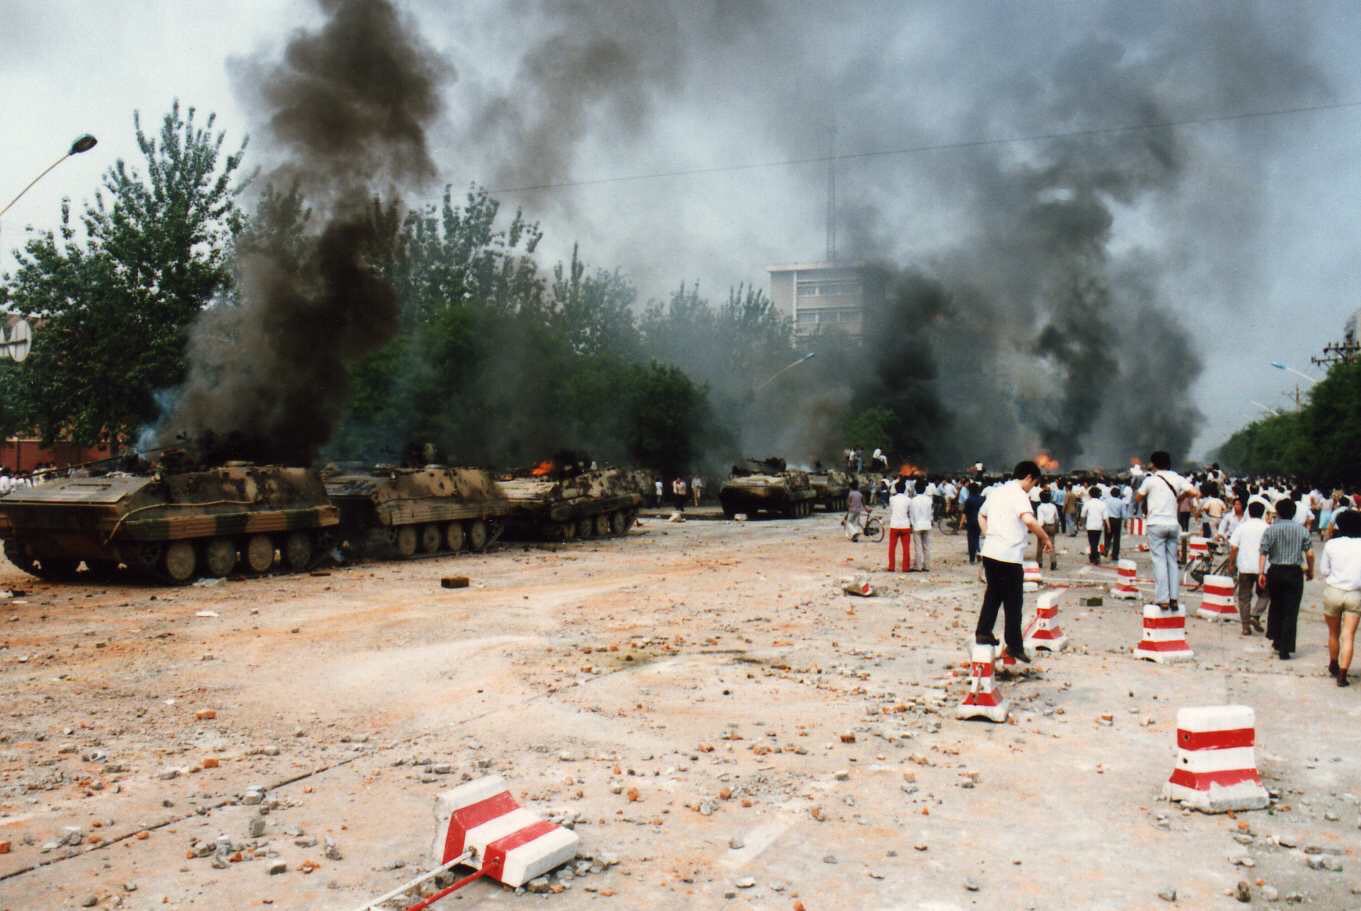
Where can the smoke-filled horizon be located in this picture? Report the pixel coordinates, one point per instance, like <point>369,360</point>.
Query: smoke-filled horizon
<point>1034,289</point>
<point>1056,272</point>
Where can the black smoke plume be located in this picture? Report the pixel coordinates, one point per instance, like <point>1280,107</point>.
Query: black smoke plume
<point>346,112</point>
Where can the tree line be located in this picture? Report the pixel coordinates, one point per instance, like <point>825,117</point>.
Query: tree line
<point>496,361</point>
<point>1320,441</point>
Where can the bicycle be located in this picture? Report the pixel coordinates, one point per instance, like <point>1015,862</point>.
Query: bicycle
<point>945,522</point>
<point>872,530</point>
<point>1202,565</point>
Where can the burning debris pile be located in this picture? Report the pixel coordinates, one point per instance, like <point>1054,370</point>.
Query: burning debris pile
<point>346,109</point>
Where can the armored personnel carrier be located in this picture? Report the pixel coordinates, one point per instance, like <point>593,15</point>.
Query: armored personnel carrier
<point>767,486</point>
<point>566,500</point>
<point>172,522</point>
<point>398,512</point>
<point>831,487</point>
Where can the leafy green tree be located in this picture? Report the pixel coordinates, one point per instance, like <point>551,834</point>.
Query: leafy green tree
<point>115,304</point>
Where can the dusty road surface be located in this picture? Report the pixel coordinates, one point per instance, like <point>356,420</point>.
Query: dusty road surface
<point>724,726</point>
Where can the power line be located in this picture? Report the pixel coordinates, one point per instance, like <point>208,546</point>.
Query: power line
<point>933,147</point>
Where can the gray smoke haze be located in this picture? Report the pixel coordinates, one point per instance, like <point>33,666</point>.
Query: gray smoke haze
<point>1031,284</point>
<point>345,112</point>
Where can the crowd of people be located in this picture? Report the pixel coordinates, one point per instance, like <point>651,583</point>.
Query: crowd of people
<point>11,480</point>
<point>1268,526</point>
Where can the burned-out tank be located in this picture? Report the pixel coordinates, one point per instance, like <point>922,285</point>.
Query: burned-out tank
<point>767,486</point>
<point>831,487</point>
<point>399,512</point>
<point>172,523</point>
<point>565,500</point>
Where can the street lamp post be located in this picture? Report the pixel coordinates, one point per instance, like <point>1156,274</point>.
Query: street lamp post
<point>83,143</point>
<point>806,357</point>
<point>1304,376</point>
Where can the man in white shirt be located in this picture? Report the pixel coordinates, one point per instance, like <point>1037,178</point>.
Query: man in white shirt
<point>1006,518</point>
<point>922,508</point>
<point>1244,545</point>
<point>1162,491</point>
<point>900,526</point>
<point>1047,514</point>
<point>1232,519</point>
<point>1094,520</point>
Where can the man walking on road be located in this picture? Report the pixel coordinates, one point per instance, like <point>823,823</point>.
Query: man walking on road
<point>1285,545</point>
<point>923,506</point>
<point>1162,492</point>
<point>855,511</point>
<point>1006,519</point>
<point>1245,544</point>
<point>1115,521</point>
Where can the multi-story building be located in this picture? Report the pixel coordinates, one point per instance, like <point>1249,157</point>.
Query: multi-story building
<point>825,296</point>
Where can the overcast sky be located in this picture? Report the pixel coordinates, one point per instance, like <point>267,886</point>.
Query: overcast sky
<point>1255,246</point>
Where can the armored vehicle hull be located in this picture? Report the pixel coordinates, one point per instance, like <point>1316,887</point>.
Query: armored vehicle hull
<point>831,489</point>
<point>171,526</point>
<point>767,486</point>
<point>400,512</point>
<point>592,504</point>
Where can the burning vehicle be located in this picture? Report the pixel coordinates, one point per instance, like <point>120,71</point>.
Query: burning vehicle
<point>170,522</point>
<point>767,486</point>
<point>567,498</point>
<point>391,512</point>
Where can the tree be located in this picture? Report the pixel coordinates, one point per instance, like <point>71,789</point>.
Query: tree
<point>116,304</point>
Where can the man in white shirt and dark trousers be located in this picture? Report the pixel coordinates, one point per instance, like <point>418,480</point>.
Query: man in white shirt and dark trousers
<point>1244,545</point>
<point>1006,519</point>
<point>1094,519</point>
<point>1162,492</point>
<point>923,505</point>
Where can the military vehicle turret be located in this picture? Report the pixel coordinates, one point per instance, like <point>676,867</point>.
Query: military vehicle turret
<point>565,499</point>
<point>767,486</point>
<point>398,512</point>
<point>171,522</point>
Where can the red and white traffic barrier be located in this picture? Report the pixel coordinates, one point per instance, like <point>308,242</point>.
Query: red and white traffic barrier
<point>1196,546</point>
<point>1134,525</point>
<point>1216,760</point>
<point>512,845</point>
<point>1032,579</point>
<point>1044,630</point>
<point>1218,600</point>
<point>982,700</point>
<point>1164,639</point>
<point>1125,587</point>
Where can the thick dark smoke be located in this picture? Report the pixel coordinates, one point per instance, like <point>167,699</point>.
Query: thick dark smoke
<point>346,112</point>
<point>1028,302</point>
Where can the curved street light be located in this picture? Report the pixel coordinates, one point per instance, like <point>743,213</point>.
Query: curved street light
<point>82,143</point>
<point>1279,366</point>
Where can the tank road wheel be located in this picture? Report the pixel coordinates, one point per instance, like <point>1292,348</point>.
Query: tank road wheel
<point>57,567</point>
<point>619,524</point>
<point>219,557</point>
<point>453,536</point>
<point>259,553</point>
<point>430,538</point>
<point>143,558</point>
<point>179,562</point>
<point>477,535</point>
<point>585,528</point>
<point>568,530</point>
<point>602,525</point>
<point>406,541</point>
<point>298,550</point>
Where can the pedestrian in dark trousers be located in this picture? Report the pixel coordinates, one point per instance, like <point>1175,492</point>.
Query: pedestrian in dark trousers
<point>1115,520</point>
<point>1006,520</point>
<point>1094,519</point>
<point>1285,545</point>
<point>971,507</point>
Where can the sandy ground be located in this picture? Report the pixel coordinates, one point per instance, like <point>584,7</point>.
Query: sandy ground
<point>788,746</point>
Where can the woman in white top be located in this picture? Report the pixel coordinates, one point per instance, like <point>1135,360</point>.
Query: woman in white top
<point>1094,519</point>
<point>1341,568</point>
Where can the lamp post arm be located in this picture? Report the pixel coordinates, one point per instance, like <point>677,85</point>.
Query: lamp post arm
<point>33,181</point>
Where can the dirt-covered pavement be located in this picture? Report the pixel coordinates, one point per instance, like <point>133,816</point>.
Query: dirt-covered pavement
<point>724,726</point>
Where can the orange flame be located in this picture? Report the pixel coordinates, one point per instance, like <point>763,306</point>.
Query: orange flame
<point>1046,461</point>
<point>908,470</point>
<point>541,469</point>
<point>1135,460</point>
